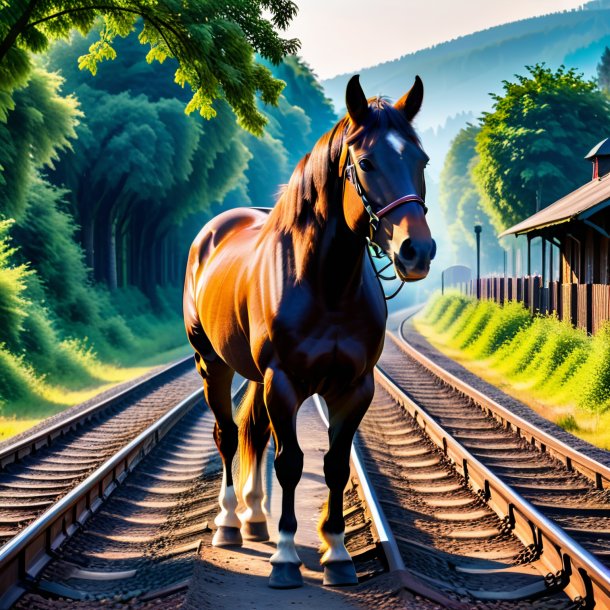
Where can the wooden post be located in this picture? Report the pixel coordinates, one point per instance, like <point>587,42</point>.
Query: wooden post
<point>543,279</point>
<point>536,292</point>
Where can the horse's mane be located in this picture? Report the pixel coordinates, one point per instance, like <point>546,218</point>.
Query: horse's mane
<point>305,203</point>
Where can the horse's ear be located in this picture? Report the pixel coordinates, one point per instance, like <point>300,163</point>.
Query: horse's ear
<point>355,101</point>
<point>410,102</point>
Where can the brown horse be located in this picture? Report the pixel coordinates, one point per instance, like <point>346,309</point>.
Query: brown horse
<point>288,299</point>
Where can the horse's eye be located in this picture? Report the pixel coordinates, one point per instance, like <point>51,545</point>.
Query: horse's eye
<point>365,165</point>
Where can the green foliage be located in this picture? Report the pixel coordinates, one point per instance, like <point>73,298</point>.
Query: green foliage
<point>18,382</point>
<point>500,328</point>
<point>171,167</point>
<point>40,126</point>
<point>13,278</point>
<point>460,201</point>
<point>555,361</point>
<point>46,235</point>
<point>531,146</point>
<point>214,44</point>
<point>450,313</point>
<point>593,380</point>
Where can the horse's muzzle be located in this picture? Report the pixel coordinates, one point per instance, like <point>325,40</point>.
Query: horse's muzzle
<point>412,262</point>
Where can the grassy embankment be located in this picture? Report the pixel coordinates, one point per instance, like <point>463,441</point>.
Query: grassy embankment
<point>557,370</point>
<point>49,369</point>
<point>32,391</point>
<point>64,338</point>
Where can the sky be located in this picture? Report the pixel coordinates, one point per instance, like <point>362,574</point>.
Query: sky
<point>340,36</point>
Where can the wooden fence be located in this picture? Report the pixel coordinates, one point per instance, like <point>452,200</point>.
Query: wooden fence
<point>586,306</point>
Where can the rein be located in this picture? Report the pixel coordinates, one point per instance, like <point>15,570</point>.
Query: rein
<point>374,216</point>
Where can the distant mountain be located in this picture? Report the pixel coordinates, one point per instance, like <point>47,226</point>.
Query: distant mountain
<point>459,74</point>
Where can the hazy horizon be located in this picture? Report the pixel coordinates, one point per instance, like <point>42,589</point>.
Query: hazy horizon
<point>389,33</point>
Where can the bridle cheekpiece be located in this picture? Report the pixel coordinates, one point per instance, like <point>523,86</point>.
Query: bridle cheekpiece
<point>348,170</point>
<point>375,215</point>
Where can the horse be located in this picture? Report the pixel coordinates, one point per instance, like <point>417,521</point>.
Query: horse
<point>288,298</point>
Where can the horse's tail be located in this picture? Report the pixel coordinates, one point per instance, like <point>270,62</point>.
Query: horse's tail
<point>254,432</point>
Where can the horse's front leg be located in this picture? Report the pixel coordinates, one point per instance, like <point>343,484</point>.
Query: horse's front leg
<point>346,411</point>
<point>282,404</point>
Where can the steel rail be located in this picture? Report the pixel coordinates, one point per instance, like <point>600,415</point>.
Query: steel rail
<point>569,566</point>
<point>386,537</point>
<point>44,437</point>
<point>543,441</point>
<point>26,555</point>
<point>387,541</point>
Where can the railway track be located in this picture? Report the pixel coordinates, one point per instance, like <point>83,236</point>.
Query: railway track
<point>432,509</point>
<point>136,543</point>
<point>42,467</point>
<point>564,486</point>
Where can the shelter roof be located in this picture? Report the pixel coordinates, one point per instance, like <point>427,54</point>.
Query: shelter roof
<point>580,204</point>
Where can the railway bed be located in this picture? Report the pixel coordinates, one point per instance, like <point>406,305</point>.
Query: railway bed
<point>40,468</point>
<point>574,496</point>
<point>446,533</point>
<point>142,545</point>
<point>422,503</point>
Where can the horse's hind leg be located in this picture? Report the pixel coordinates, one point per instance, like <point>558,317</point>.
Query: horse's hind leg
<point>345,413</point>
<point>217,377</point>
<point>254,432</point>
<point>282,404</point>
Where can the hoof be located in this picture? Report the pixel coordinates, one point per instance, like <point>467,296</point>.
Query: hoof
<point>285,576</point>
<point>255,531</point>
<point>340,574</point>
<point>227,536</point>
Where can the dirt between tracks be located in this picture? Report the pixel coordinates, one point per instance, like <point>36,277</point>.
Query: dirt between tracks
<point>236,578</point>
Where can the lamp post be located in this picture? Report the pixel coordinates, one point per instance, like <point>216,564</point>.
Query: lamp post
<point>477,232</point>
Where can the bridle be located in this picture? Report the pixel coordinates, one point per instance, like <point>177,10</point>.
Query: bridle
<point>375,215</point>
<point>350,174</point>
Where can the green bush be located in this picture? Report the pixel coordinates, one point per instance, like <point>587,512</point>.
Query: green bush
<point>503,324</point>
<point>474,323</point>
<point>554,359</point>
<point>18,382</point>
<point>452,312</point>
<point>593,379</point>
<point>515,356</point>
<point>13,304</point>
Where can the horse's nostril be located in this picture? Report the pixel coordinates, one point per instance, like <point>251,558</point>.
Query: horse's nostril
<point>407,251</point>
<point>433,250</point>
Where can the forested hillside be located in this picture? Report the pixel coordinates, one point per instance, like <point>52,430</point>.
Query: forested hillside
<point>459,74</point>
<point>105,183</point>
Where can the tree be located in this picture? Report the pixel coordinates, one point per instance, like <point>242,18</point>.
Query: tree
<point>213,41</point>
<point>40,125</point>
<point>460,201</point>
<point>140,167</point>
<point>603,71</point>
<point>531,145</point>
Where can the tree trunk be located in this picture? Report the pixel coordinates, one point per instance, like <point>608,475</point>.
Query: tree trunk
<point>111,256</point>
<point>87,233</point>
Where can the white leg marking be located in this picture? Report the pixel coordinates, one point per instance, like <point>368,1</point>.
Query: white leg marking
<point>336,548</point>
<point>286,550</point>
<point>253,495</point>
<point>227,499</point>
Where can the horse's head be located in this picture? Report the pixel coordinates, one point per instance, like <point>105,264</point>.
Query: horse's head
<point>384,189</point>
